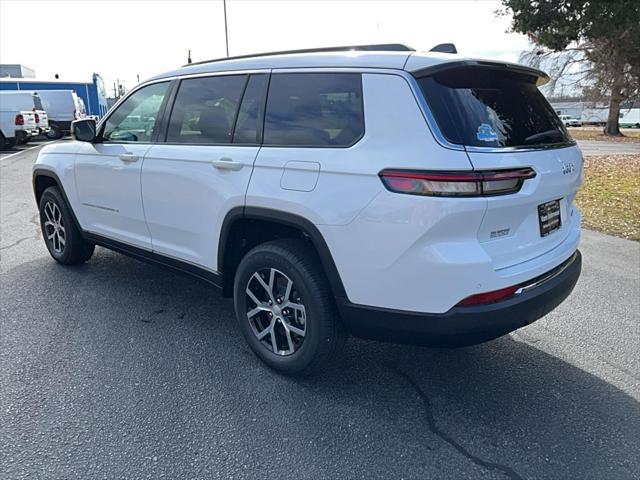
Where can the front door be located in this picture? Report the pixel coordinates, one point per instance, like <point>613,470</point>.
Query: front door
<point>108,173</point>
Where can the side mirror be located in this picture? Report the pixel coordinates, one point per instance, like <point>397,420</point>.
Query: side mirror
<point>84,130</point>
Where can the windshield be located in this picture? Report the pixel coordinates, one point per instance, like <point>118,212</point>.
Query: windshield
<point>491,108</point>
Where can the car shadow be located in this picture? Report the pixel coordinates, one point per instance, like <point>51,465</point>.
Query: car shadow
<point>162,353</point>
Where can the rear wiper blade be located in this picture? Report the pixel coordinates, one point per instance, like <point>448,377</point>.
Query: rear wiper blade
<point>546,134</point>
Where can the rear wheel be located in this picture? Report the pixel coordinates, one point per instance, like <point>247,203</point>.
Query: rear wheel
<point>285,308</point>
<point>54,134</point>
<point>61,235</point>
<point>3,142</point>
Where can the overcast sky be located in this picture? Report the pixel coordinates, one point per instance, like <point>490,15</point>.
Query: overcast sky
<point>121,39</point>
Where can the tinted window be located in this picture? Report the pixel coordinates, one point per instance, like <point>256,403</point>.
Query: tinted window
<point>250,114</point>
<point>205,109</point>
<point>314,109</point>
<point>135,119</point>
<point>490,108</point>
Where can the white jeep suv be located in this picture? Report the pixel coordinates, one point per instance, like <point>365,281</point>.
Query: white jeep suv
<point>395,195</point>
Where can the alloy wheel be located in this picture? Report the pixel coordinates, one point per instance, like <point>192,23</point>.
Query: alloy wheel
<point>276,312</point>
<point>54,227</point>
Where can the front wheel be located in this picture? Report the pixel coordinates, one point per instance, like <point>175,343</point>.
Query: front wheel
<point>61,235</point>
<point>285,309</point>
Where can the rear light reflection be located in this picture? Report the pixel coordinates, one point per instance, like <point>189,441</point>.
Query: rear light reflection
<point>455,184</point>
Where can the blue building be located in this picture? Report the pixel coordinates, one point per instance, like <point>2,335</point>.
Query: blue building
<point>93,93</point>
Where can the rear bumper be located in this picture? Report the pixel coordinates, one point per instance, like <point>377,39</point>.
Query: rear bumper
<point>462,326</point>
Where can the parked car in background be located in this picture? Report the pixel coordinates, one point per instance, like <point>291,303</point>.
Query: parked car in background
<point>26,104</point>
<point>63,107</point>
<point>570,121</point>
<point>42,119</point>
<point>630,118</point>
<point>16,127</point>
<point>397,195</point>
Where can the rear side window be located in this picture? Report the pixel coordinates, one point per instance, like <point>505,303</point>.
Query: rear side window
<point>250,113</point>
<point>205,110</point>
<point>491,108</point>
<point>314,109</point>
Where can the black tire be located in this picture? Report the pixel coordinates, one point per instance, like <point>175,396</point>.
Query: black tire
<point>324,335</point>
<point>10,143</point>
<point>54,133</point>
<point>3,142</point>
<point>75,248</point>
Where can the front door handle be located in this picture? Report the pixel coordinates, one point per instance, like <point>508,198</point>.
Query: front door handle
<point>225,163</point>
<point>129,157</point>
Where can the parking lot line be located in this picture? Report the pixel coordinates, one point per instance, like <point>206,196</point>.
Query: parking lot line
<point>21,151</point>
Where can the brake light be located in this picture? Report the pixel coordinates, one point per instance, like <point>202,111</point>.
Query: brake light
<point>489,297</point>
<point>455,184</point>
<point>37,117</point>
<point>19,119</point>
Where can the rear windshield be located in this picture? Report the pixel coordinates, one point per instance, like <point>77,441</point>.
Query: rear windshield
<point>491,108</point>
<point>37,103</point>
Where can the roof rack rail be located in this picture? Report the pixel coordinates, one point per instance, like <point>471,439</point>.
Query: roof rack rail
<point>444,48</point>
<point>383,47</point>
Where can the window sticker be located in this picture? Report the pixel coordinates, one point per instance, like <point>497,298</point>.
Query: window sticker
<point>486,134</point>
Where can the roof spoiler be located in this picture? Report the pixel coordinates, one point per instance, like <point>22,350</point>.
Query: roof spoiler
<point>384,47</point>
<point>445,48</point>
<point>540,76</point>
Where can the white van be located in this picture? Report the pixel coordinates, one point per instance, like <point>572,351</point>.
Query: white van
<point>24,100</point>
<point>63,107</point>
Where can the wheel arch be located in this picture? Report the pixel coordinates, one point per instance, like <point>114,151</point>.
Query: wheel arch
<point>233,232</point>
<point>44,178</point>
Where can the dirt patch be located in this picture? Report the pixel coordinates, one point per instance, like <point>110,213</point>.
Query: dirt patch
<point>595,133</point>
<point>610,197</point>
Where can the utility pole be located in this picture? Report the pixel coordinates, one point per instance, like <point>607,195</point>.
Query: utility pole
<point>226,34</point>
<point>189,57</point>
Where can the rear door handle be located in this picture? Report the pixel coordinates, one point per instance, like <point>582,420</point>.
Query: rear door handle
<point>129,157</point>
<point>226,163</point>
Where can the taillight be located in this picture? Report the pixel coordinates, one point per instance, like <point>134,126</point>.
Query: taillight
<point>455,184</point>
<point>489,297</point>
<point>19,119</point>
<point>37,117</point>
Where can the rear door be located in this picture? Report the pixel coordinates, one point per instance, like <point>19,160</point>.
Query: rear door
<point>504,122</point>
<point>108,173</point>
<point>202,169</point>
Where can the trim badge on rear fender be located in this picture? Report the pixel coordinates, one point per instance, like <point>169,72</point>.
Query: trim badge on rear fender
<point>567,167</point>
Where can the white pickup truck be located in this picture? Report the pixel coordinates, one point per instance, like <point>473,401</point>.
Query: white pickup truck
<point>15,126</point>
<point>27,114</point>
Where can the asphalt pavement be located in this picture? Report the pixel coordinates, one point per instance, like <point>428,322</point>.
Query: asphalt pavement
<point>120,369</point>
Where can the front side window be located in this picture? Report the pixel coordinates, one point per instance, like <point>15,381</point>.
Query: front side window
<point>135,120</point>
<point>205,110</point>
<point>314,109</point>
<point>484,107</point>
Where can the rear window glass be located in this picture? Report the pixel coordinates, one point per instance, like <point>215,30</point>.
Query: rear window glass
<point>491,108</point>
<point>314,109</point>
<point>37,103</point>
